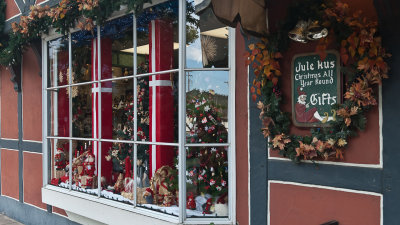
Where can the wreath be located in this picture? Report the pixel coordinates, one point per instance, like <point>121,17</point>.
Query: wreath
<point>363,64</point>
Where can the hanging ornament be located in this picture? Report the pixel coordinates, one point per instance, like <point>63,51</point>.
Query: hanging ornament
<point>298,33</point>
<point>315,31</point>
<point>305,31</point>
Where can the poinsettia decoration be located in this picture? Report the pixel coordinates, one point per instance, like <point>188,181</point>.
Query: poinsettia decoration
<point>363,64</point>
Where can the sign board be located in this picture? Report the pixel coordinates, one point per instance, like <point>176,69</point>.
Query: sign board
<point>315,88</point>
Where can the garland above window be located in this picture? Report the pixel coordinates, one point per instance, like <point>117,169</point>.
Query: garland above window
<point>363,63</point>
<point>66,15</point>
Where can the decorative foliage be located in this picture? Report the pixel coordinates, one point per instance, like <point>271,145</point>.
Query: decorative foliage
<point>364,66</point>
<point>64,16</point>
<point>69,14</point>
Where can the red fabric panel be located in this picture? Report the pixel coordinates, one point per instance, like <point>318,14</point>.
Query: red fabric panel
<point>164,112</point>
<point>63,102</point>
<point>106,102</point>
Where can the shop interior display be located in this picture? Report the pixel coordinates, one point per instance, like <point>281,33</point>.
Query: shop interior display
<point>206,119</point>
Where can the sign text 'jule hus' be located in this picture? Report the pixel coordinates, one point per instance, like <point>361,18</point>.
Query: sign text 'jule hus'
<point>315,88</point>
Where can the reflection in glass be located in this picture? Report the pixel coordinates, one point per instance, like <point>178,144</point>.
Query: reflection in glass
<point>117,96</point>
<point>59,149</point>
<point>57,61</point>
<point>117,111</point>
<point>207,182</point>
<point>82,112</point>
<point>158,40</point>
<point>157,179</point>
<point>207,107</point>
<point>82,52</point>
<point>206,38</point>
<point>58,103</point>
<point>117,172</point>
<point>83,166</point>
<point>157,107</point>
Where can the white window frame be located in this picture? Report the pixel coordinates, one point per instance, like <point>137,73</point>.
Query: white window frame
<point>83,207</point>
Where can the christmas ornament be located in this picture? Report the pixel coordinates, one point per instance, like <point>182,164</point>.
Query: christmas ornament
<point>299,32</point>
<point>316,31</point>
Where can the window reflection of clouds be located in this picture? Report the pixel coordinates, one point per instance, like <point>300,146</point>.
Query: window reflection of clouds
<point>206,81</point>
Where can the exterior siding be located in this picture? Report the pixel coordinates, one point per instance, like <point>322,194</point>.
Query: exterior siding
<point>31,98</point>
<point>9,173</point>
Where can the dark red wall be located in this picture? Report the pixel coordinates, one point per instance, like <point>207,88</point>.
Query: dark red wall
<point>12,9</point>
<point>359,150</point>
<point>31,98</point>
<point>299,205</point>
<point>32,173</point>
<point>242,167</point>
<point>9,106</point>
<point>9,173</point>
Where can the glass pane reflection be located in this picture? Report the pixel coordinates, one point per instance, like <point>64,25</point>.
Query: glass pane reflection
<point>207,182</point>
<point>207,107</point>
<point>206,38</point>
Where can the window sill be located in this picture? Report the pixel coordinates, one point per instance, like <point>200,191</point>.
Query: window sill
<point>88,209</point>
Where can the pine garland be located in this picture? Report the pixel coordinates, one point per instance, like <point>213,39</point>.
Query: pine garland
<point>363,63</point>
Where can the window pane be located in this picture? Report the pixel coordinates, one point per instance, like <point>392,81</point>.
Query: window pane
<point>206,38</point>
<point>57,62</point>
<point>83,116</point>
<point>207,182</point>
<point>59,162</point>
<point>158,40</point>
<point>117,172</point>
<point>207,107</point>
<point>117,109</point>
<point>117,95</point>
<point>58,108</point>
<point>116,45</point>
<point>157,177</point>
<point>158,108</point>
<point>82,56</point>
<point>84,167</point>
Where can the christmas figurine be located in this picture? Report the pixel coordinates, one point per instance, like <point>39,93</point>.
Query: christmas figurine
<point>207,206</point>
<point>119,185</point>
<point>190,203</point>
<point>60,162</point>
<point>89,164</point>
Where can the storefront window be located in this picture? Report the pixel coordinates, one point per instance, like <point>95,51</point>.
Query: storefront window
<point>136,117</point>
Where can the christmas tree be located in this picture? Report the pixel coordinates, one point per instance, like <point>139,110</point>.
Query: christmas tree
<point>123,113</point>
<point>207,167</point>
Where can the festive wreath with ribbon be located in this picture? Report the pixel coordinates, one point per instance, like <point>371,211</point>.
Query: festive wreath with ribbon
<point>363,63</point>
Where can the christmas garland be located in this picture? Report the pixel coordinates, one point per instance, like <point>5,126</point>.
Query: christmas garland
<point>68,14</point>
<point>363,64</point>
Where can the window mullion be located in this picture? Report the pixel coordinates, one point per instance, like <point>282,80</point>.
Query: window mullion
<point>134,111</point>
<point>45,115</point>
<point>70,106</point>
<point>232,134</point>
<point>98,109</point>
<point>182,113</point>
